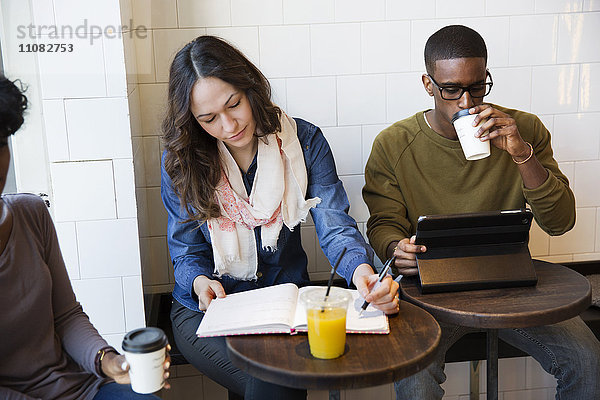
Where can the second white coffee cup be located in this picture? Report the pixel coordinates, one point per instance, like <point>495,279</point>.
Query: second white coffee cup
<point>473,147</point>
<point>145,352</point>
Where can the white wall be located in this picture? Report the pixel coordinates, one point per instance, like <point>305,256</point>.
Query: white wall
<point>83,156</point>
<point>353,67</point>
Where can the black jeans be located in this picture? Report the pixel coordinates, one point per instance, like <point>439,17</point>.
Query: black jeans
<point>209,356</point>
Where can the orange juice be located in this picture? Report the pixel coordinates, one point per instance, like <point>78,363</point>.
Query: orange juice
<point>326,332</point>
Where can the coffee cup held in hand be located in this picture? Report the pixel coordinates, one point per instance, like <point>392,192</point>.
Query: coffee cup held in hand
<point>473,147</point>
<point>145,352</point>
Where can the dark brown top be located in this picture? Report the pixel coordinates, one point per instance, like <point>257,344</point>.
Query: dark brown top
<point>368,360</point>
<point>47,343</point>
<point>560,294</point>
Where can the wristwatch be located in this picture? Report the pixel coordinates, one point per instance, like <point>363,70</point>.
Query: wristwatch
<point>100,355</point>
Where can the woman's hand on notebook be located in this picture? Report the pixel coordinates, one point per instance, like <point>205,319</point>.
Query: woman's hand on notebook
<point>405,252</point>
<point>383,296</point>
<point>207,289</point>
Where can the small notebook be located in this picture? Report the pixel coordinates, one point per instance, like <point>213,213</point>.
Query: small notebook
<point>277,309</point>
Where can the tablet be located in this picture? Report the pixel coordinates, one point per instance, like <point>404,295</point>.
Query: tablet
<point>475,251</point>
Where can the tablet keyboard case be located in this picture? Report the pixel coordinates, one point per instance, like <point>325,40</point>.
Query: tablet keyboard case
<point>475,251</point>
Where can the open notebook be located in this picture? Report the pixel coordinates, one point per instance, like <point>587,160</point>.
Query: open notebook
<point>277,309</point>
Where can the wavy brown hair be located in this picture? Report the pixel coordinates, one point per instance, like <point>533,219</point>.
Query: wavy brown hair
<point>192,158</point>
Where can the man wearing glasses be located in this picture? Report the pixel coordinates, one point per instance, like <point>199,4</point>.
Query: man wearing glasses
<point>417,167</point>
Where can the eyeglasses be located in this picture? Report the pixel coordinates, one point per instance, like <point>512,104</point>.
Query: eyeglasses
<point>476,91</point>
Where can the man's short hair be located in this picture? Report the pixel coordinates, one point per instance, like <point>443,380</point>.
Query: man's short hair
<point>453,41</point>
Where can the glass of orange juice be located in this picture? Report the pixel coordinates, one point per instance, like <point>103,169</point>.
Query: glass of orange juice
<point>326,319</point>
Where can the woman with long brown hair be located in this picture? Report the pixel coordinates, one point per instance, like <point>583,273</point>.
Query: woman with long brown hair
<point>238,177</point>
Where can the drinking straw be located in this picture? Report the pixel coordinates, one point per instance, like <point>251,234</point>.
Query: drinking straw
<point>337,263</point>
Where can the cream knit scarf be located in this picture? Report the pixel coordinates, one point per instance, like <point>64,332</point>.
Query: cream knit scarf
<point>276,198</point>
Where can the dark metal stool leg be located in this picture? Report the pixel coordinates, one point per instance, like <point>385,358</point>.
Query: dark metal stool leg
<point>334,394</point>
<point>492,364</point>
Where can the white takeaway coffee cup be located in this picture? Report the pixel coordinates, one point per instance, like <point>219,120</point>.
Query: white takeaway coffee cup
<point>145,351</point>
<point>473,147</point>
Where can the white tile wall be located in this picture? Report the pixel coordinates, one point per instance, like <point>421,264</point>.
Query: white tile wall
<point>562,97</point>
<point>108,248</point>
<point>512,87</point>
<point>154,14</point>
<point>460,8</point>
<point>557,6</point>
<point>405,96</point>
<point>102,301</point>
<point>56,130</point>
<point>407,9</point>
<point>245,38</point>
<point>580,239</point>
<point>591,5</point>
<point>321,110</point>
<point>278,92</point>
<point>83,191</point>
<point>248,12</point>
<point>577,38</point>
<point>509,7</point>
<point>98,13</point>
<point>79,73</point>
<point>587,183</point>
<point>589,87</point>
<point>133,298</point>
<point>345,142</point>
<point>285,50</point>
<point>384,46</point>
<point>67,240</point>
<point>361,99</point>
<point>335,49</point>
<point>354,67</point>
<point>533,39</point>
<point>193,14</point>
<point>571,131</point>
<point>98,128</point>
<point>125,188</point>
<point>357,10</point>
<point>307,11</point>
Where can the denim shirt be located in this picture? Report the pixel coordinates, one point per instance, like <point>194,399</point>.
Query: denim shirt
<point>190,245</point>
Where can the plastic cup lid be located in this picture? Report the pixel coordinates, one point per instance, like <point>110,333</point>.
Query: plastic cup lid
<point>459,114</point>
<point>144,340</point>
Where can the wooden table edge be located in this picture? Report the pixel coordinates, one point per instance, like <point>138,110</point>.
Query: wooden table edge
<point>341,380</point>
<point>492,321</point>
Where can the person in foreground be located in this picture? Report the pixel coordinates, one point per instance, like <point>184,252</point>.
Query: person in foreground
<point>238,177</point>
<point>49,348</point>
<point>417,167</point>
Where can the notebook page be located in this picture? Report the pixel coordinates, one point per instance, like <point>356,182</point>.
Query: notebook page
<point>240,312</point>
<point>371,321</point>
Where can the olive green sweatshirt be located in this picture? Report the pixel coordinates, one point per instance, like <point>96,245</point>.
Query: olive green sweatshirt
<point>414,171</point>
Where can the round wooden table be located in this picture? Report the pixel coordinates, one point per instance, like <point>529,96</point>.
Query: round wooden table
<point>560,294</point>
<point>369,359</point>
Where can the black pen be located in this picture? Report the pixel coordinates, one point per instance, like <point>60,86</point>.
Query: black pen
<point>382,275</point>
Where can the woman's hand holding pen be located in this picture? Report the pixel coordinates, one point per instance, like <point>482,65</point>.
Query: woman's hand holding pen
<point>405,252</point>
<point>207,289</point>
<point>383,297</point>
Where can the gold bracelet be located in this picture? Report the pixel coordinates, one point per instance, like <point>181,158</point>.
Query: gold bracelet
<point>528,157</point>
